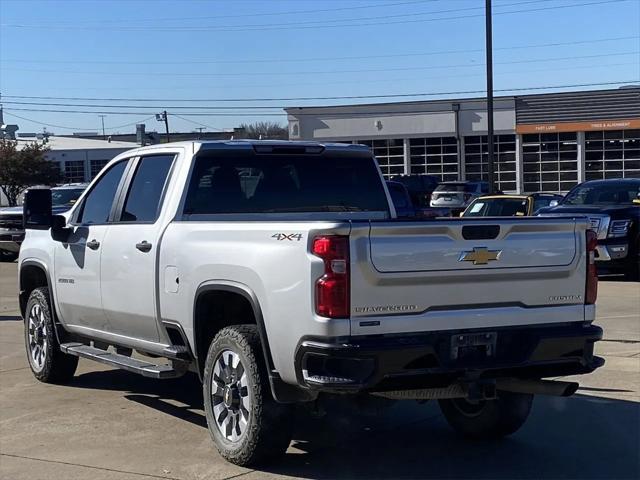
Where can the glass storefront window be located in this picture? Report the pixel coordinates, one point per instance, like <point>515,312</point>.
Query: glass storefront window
<point>74,171</point>
<point>612,154</point>
<point>476,160</point>
<point>550,162</point>
<point>437,156</point>
<point>96,166</point>
<point>389,153</point>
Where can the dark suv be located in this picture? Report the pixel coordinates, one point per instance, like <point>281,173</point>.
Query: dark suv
<point>613,208</point>
<point>11,229</point>
<point>420,187</point>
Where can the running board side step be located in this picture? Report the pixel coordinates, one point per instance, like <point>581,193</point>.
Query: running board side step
<point>146,369</point>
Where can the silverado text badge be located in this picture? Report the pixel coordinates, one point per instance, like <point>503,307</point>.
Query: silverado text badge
<point>480,256</point>
<point>386,308</point>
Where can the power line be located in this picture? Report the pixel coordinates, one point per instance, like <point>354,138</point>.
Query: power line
<point>253,114</point>
<point>302,26</point>
<point>297,23</point>
<point>316,59</point>
<point>41,123</point>
<point>324,83</point>
<point>325,72</point>
<point>198,123</point>
<point>71,128</point>
<point>260,14</point>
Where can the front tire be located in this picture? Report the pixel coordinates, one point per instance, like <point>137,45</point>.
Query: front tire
<point>246,424</point>
<point>47,362</point>
<point>488,419</point>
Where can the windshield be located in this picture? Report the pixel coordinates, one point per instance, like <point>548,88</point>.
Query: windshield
<point>542,202</point>
<point>497,207</point>
<point>65,197</point>
<point>611,194</point>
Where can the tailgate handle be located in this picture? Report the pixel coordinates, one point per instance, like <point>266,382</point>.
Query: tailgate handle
<point>480,232</point>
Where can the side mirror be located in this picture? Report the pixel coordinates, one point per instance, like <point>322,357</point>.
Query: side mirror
<point>36,210</point>
<point>59,230</point>
<point>553,203</point>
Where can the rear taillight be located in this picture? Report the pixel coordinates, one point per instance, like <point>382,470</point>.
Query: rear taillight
<point>591,289</point>
<point>332,289</point>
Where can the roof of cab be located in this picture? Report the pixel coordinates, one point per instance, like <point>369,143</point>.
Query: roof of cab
<point>248,143</point>
<point>199,145</point>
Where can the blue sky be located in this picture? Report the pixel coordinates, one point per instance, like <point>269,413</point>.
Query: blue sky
<point>242,49</point>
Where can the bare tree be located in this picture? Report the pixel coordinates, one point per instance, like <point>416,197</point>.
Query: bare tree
<point>264,131</point>
<point>24,168</point>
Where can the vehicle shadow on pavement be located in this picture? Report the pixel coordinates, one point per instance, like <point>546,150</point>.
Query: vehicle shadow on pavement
<point>581,437</point>
<point>152,393</point>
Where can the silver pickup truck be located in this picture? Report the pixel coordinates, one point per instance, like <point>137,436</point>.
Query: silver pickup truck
<point>279,273</point>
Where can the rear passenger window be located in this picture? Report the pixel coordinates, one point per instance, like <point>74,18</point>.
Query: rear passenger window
<point>143,199</point>
<point>97,204</point>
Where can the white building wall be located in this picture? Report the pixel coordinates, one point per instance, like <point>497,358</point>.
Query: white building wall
<point>401,120</point>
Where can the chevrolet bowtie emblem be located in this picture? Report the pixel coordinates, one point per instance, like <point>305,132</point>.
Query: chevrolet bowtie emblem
<point>480,256</point>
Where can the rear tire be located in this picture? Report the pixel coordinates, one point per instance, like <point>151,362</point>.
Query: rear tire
<point>47,362</point>
<point>246,424</point>
<point>488,419</point>
<point>633,271</point>
<point>7,256</point>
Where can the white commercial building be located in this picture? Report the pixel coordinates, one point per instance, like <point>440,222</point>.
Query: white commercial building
<point>544,142</point>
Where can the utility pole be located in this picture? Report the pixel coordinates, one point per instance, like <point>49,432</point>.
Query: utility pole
<point>104,135</point>
<point>166,125</point>
<point>489,51</point>
<point>163,117</point>
<point>200,129</point>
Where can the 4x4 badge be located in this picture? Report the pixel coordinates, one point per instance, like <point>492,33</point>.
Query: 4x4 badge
<point>480,256</point>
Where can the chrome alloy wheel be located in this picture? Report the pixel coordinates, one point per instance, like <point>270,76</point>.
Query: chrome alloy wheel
<point>230,396</point>
<point>37,332</point>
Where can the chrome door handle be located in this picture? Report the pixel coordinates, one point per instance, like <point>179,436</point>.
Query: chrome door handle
<point>143,246</point>
<point>93,244</point>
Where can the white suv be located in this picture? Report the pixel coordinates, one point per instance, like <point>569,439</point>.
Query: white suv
<point>457,195</point>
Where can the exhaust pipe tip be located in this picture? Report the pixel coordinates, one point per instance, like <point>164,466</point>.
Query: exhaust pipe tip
<point>570,389</point>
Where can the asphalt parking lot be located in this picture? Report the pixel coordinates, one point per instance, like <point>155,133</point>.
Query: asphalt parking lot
<point>109,424</point>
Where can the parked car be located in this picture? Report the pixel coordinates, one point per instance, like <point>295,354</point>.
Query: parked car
<point>614,212</point>
<point>420,187</point>
<point>302,283</point>
<point>405,208</point>
<point>11,228</point>
<point>510,205</point>
<point>457,195</point>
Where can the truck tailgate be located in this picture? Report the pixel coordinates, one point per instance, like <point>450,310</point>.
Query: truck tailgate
<point>467,273</point>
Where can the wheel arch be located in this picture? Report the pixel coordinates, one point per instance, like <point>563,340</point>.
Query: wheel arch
<point>231,288</point>
<point>282,392</point>
<point>33,274</point>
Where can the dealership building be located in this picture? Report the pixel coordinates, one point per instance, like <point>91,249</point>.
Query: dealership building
<point>543,142</point>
